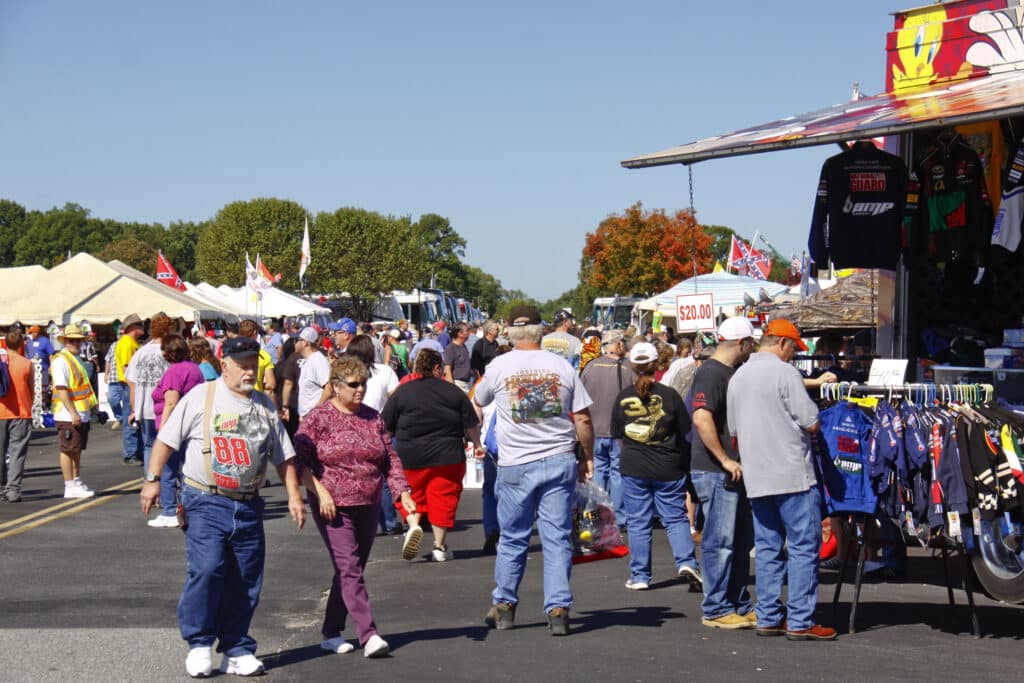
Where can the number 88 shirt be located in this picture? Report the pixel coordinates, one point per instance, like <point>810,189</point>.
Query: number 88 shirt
<point>245,433</point>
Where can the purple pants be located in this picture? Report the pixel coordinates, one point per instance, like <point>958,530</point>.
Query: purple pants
<point>349,539</point>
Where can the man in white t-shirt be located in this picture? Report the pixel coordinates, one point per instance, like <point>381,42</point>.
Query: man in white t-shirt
<point>562,341</point>
<point>143,373</point>
<point>226,458</point>
<point>314,378</point>
<point>535,392</point>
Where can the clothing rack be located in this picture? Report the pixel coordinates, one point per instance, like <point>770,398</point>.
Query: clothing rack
<point>864,526</point>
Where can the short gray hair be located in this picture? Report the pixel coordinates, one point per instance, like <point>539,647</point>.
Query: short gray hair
<point>491,326</point>
<point>526,333</point>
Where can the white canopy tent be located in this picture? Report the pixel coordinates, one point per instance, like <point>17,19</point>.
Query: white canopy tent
<point>213,297</point>
<point>275,303</point>
<point>86,288</point>
<point>727,288</point>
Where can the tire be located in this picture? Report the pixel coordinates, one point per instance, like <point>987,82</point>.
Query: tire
<point>1000,570</point>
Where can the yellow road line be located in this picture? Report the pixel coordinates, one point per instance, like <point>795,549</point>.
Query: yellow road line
<point>68,508</point>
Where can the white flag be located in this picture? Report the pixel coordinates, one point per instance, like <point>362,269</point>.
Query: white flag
<point>306,256</point>
<point>251,274</point>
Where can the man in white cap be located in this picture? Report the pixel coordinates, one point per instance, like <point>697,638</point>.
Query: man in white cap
<point>717,475</point>
<point>72,406</point>
<point>315,375</point>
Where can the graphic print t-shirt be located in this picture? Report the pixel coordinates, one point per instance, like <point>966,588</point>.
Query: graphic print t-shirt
<point>245,433</point>
<point>146,368</point>
<point>652,433</point>
<point>565,345</point>
<point>535,392</point>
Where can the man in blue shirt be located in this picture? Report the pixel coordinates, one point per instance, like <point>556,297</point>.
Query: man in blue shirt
<point>39,346</point>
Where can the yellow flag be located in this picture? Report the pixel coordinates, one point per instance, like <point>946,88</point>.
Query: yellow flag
<point>718,267</point>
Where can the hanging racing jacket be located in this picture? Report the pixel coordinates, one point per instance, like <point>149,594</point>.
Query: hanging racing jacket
<point>858,212</point>
<point>847,433</point>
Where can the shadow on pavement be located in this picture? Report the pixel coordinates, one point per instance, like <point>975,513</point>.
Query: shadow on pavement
<point>650,616</point>
<point>996,622</point>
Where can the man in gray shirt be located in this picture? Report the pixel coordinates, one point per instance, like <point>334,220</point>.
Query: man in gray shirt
<point>772,417</point>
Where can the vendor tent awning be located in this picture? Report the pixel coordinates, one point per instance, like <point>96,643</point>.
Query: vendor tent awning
<point>86,288</point>
<point>275,303</point>
<point>851,304</point>
<point>728,290</point>
<point>997,95</point>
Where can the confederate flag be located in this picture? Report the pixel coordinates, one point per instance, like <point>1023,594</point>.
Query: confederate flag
<point>749,261</point>
<point>166,273</point>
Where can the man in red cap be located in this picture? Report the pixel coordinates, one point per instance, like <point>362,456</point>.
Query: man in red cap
<point>772,418</point>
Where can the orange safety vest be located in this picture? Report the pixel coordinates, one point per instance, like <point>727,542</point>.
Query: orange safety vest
<point>81,391</point>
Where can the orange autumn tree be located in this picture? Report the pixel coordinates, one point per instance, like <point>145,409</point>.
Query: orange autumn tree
<point>643,251</point>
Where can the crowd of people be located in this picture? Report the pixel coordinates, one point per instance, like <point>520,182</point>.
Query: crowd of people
<point>707,436</point>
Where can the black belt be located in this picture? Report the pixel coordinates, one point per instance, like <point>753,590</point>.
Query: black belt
<point>216,490</point>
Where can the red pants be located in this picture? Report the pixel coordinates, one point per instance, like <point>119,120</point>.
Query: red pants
<point>436,491</point>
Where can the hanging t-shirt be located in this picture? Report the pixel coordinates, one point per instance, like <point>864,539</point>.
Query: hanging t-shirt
<point>245,434</point>
<point>146,368</point>
<point>653,433</point>
<point>1007,230</point>
<point>859,209</point>
<point>535,391</point>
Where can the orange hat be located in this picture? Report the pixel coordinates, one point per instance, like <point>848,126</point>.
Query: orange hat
<point>783,328</point>
<point>34,329</point>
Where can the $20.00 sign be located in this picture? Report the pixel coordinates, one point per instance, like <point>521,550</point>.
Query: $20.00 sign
<point>695,312</point>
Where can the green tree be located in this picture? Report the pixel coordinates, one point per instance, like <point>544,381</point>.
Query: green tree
<point>519,300</point>
<point>268,226</point>
<point>444,249</point>
<point>579,299</point>
<point>49,236</point>
<point>179,245</point>
<point>12,222</point>
<point>363,253</point>
<point>132,252</point>
<point>482,288</point>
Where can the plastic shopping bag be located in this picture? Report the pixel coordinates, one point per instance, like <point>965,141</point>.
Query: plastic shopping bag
<point>595,531</point>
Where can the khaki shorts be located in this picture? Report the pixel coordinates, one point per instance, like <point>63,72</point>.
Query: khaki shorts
<point>73,440</point>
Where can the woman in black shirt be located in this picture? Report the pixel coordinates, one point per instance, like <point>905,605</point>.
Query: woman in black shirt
<point>651,421</point>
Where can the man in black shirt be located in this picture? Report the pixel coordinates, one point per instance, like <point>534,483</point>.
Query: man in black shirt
<point>717,475</point>
<point>456,358</point>
<point>484,350</point>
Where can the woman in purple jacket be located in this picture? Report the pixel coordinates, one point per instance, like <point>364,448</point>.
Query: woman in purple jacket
<point>346,455</point>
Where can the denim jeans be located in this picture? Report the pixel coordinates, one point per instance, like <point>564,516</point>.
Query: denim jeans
<point>115,398</point>
<point>147,432</point>
<point>170,481</point>
<point>796,518</point>
<point>131,439</point>
<point>388,515</point>
<point>490,500</point>
<point>225,550</point>
<point>606,472</point>
<point>640,497</point>
<point>544,489</point>
<point>725,545</point>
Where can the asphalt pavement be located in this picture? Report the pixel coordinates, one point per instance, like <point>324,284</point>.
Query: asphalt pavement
<point>89,592</point>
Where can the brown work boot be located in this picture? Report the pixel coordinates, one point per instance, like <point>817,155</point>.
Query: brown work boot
<point>501,616</point>
<point>558,621</point>
<point>816,632</point>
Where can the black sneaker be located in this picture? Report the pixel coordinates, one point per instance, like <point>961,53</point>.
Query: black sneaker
<point>832,564</point>
<point>558,621</point>
<point>491,544</point>
<point>501,616</point>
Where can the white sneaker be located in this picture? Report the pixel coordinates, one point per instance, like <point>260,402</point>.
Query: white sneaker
<point>73,491</point>
<point>199,663</point>
<point>637,585</point>
<point>442,555</point>
<point>411,545</point>
<point>80,484</point>
<point>245,665</point>
<point>164,522</point>
<point>375,647</point>
<point>338,645</point>
<point>115,425</point>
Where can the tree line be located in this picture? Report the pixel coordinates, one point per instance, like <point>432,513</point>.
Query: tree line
<point>353,250</point>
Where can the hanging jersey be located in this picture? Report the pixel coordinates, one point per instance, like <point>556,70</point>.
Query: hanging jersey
<point>1006,232</point>
<point>847,431</point>
<point>986,138</point>
<point>858,211</point>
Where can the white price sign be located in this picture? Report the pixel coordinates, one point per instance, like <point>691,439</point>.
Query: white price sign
<point>886,372</point>
<point>695,312</point>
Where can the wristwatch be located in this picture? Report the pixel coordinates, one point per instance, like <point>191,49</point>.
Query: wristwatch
<point>150,477</point>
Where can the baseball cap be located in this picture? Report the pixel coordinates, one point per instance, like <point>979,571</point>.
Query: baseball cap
<point>241,347</point>
<point>439,325</point>
<point>394,333</point>
<point>524,315</point>
<point>612,336</point>
<point>735,329</point>
<point>346,325</point>
<point>783,328</point>
<point>34,329</point>
<point>308,334</point>
<point>642,353</point>
<point>562,315</point>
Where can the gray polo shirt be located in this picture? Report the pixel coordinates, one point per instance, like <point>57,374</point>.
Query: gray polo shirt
<point>768,409</point>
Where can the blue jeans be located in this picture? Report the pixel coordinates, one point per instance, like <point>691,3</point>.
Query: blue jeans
<point>544,489</point>
<point>170,480</point>
<point>725,545</point>
<point>131,439</point>
<point>224,555</point>
<point>115,398</point>
<point>640,498</point>
<point>388,515</point>
<point>606,472</point>
<point>796,518</point>
<point>490,499</point>
<point>147,432</point>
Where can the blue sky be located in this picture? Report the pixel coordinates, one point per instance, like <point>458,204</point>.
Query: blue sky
<point>508,118</point>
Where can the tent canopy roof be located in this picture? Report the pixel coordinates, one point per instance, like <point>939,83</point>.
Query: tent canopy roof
<point>727,288</point>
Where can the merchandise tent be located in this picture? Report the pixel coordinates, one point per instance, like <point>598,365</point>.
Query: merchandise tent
<point>727,288</point>
<point>274,303</point>
<point>86,288</point>
<point>953,112</point>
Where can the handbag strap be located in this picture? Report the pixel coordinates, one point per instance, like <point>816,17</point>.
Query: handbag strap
<point>211,392</point>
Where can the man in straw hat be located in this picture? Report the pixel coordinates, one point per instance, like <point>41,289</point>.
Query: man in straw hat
<point>72,406</point>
